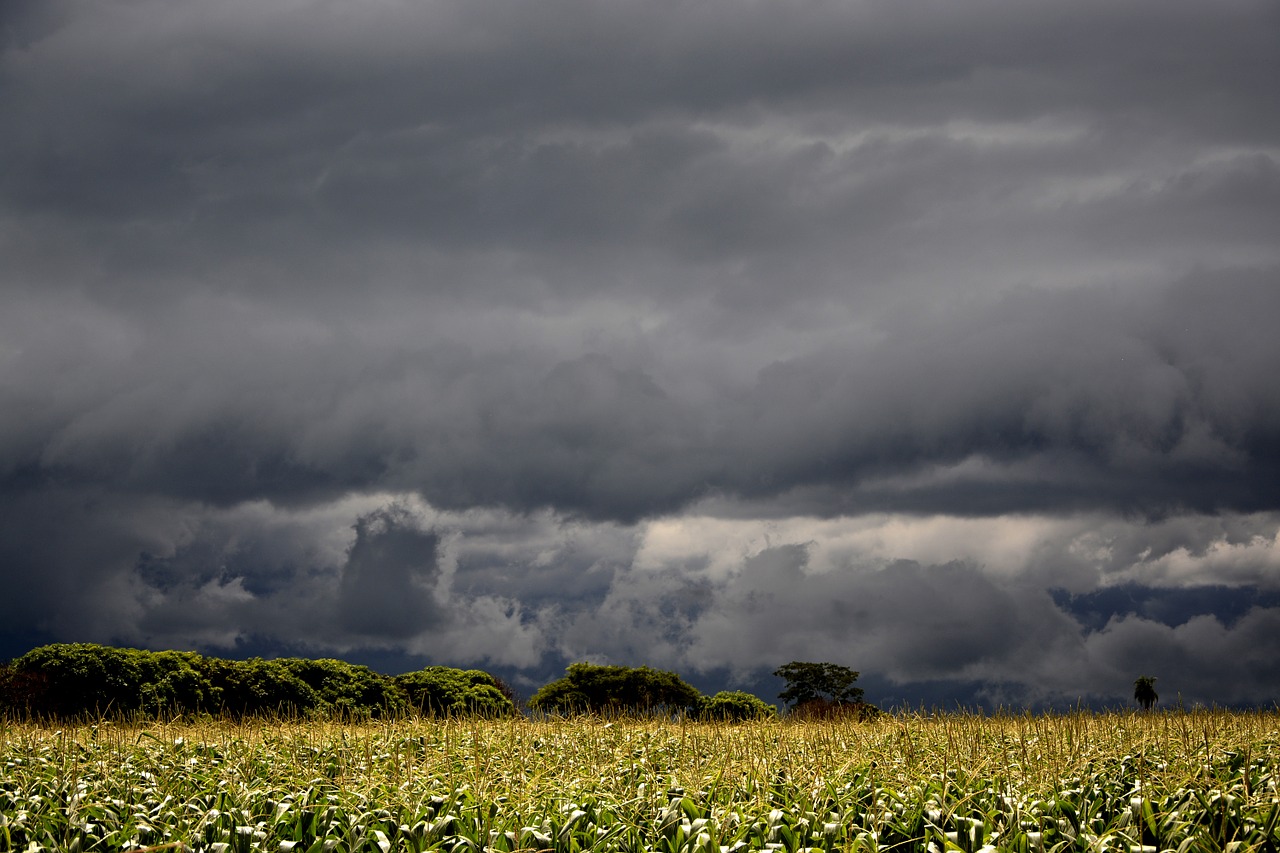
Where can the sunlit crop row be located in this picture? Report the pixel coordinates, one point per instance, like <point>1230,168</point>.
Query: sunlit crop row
<point>1196,781</point>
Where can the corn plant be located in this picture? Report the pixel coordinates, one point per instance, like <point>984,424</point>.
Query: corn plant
<point>1184,782</point>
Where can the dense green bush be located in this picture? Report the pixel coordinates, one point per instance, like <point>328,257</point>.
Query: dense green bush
<point>594,688</point>
<point>83,678</point>
<point>68,680</point>
<point>736,706</point>
<point>174,682</point>
<point>256,686</point>
<point>89,680</point>
<point>444,691</point>
<point>348,689</point>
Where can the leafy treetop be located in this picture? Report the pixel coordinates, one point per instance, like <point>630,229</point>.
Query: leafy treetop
<point>68,680</point>
<point>807,682</point>
<point>588,687</point>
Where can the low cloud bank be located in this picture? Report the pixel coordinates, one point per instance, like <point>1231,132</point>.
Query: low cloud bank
<point>1043,611</point>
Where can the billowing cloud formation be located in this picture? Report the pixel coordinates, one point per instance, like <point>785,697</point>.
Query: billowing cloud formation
<point>1042,609</point>
<point>482,332</point>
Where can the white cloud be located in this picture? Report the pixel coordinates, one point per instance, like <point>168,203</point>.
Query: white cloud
<point>1255,562</point>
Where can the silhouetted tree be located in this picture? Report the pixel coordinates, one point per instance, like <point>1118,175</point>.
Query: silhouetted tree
<point>1144,691</point>
<point>807,682</point>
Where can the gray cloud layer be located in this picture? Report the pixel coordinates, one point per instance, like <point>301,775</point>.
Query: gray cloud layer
<point>270,271</point>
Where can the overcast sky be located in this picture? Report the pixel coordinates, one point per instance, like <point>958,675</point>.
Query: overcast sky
<point>935,338</point>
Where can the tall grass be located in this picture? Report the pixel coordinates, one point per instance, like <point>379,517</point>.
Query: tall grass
<point>1193,781</point>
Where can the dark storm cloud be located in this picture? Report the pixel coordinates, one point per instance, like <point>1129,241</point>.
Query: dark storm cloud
<point>403,328</point>
<point>255,576</point>
<point>1153,402</point>
<point>1071,400</point>
<point>1171,607</point>
<point>387,586</point>
<point>164,130</point>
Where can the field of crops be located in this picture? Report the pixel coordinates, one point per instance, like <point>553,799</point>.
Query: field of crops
<point>1131,782</point>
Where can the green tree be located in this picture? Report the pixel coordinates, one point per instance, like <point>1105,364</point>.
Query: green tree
<point>593,688</point>
<point>176,682</point>
<point>736,706</point>
<point>86,678</point>
<point>348,689</point>
<point>809,682</point>
<point>257,686</point>
<point>445,691</point>
<point>1144,691</point>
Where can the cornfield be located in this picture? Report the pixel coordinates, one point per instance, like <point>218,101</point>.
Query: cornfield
<point>1181,781</point>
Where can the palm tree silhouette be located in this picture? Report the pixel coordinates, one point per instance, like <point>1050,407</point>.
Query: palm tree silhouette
<point>1144,691</point>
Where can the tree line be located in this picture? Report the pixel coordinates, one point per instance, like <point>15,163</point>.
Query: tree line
<point>86,680</point>
<point>66,680</point>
